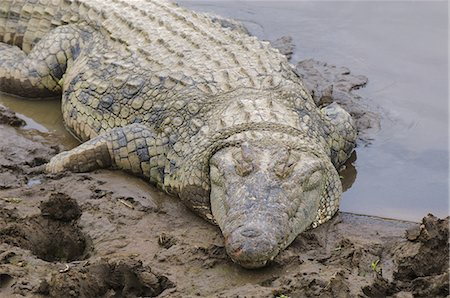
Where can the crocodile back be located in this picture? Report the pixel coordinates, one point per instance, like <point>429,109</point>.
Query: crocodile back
<point>168,38</point>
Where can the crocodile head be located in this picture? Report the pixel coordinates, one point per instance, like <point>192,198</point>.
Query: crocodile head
<point>262,198</point>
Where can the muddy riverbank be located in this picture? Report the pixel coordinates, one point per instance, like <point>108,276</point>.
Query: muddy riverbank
<point>108,234</point>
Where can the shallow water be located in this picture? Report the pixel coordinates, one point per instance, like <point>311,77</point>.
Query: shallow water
<point>41,115</point>
<point>401,47</point>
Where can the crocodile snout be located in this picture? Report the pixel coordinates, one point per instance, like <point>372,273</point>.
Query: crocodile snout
<point>251,247</point>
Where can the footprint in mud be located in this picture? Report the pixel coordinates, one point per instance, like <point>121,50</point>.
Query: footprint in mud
<point>51,236</point>
<point>122,277</point>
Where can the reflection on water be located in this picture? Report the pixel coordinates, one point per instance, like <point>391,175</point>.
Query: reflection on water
<point>42,115</point>
<point>348,173</point>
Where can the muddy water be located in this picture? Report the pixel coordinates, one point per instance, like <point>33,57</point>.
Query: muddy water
<point>401,47</point>
<point>41,115</point>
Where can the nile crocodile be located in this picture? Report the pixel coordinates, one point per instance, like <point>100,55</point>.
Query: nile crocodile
<point>212,115</point>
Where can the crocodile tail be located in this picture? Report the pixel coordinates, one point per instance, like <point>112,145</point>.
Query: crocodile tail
<point>24,22</point>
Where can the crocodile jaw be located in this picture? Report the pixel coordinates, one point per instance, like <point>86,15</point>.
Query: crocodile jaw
<point>261,213</point>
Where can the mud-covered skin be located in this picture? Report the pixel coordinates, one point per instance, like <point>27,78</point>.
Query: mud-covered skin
<point>160,91</point>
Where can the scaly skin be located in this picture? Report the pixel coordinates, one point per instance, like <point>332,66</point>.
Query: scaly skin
<point>210,114</point>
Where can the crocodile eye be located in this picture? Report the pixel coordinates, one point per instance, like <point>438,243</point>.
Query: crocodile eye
<point>283,170</point>
<point>244,169</point>
<point>243,160</point>
<point>314,180</point>
<point>285,165</point>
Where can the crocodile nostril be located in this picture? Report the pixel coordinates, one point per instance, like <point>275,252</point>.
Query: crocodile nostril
<point>250,232</point>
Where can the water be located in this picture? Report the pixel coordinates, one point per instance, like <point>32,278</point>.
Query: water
<point>402,48</point>
<point>41,115</point>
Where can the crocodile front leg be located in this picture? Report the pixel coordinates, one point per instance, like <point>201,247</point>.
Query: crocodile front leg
<point>134,148</point>
<point>341,133</point>
<point>39,73</point>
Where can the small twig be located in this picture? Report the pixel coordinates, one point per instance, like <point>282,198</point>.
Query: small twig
<point>126,204</point>
<point>65,269</point>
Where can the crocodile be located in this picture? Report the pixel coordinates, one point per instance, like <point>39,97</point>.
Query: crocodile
<point>209,114</point>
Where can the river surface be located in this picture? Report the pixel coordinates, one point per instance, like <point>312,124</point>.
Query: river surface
<point>401,47</point>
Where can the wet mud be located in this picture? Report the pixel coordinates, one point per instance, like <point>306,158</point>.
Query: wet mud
<point>49,240</point>
<point>329,83</point>
<point>107,234</point>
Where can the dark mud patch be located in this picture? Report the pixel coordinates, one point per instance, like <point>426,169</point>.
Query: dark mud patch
<point>124,277</point>
<point>10,118</point>
<point>5,280</point>
<point>422,263</point>
<point>328,83</point>
<point>51,236</point>
<point>285,45</point>
<point>426,242</point>
<point>60,207</point>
